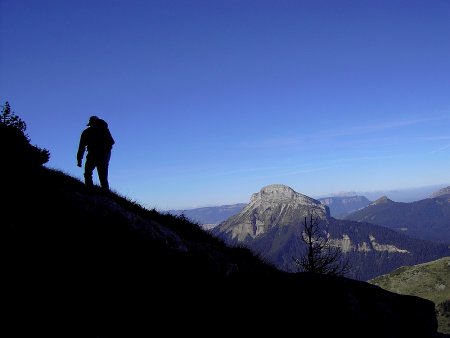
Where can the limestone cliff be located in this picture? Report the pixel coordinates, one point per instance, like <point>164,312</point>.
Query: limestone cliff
<point>274,206</point>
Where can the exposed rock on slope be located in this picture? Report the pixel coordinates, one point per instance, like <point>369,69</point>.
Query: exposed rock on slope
<point>274,206</point>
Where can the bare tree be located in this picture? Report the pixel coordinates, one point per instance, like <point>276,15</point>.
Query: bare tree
<point>320,256</point>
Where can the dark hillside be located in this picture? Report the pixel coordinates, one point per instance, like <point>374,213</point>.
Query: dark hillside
<point>82,263</point>
<point>103,256</point>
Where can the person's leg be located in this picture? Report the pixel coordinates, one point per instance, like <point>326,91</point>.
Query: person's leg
<point>102,169</point>
<point>89,167</point>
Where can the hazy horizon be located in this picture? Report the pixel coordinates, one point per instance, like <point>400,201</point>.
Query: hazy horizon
<point>209,101</point>
<point>397,195</point>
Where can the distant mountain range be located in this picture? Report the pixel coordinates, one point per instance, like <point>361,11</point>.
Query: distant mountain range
<point>271,225</point>
<point>427,219</point>
<point>399,195</point>
<point>428,280</point>
<point>340,206</point>
<point>210,215</point>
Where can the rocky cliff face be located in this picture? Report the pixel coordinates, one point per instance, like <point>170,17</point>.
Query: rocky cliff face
<point>273,207</point>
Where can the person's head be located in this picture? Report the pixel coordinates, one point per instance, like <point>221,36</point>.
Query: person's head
<point>92,120</point>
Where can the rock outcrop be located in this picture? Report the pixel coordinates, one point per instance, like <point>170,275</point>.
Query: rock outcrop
<point>273,207</point>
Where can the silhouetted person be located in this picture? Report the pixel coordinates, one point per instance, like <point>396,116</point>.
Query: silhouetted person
<point>98,141</point>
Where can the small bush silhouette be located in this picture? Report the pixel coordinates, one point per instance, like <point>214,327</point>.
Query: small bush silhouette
<point>9,118</point>
<point>16,149</point>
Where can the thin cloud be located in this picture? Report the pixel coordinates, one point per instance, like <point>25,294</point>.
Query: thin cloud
<point>440,149</point>
<point>365,158</point>
<point>243,171</point>
<point>436,138</point>
<point>306,171</point>
<point>293,172</point>
<point>276,142</point>
<point>383,126</point>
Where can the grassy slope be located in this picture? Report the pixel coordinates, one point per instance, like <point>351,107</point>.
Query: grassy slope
<point>429,280</point>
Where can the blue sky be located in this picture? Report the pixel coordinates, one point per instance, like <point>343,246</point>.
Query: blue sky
<point>211,100</point>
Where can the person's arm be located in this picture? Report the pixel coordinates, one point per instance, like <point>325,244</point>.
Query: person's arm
<point>81,148</point>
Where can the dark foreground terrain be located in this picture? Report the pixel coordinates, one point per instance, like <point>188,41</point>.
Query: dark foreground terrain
<point>85,263</point>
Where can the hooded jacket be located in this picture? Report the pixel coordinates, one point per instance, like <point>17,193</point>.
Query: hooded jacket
<point>96,139</point>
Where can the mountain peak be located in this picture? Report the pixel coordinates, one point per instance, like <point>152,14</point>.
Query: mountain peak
<point>273,206</point>
<point>274,188</point>
<point>274,193</point>
<point>279,193</point>
<point>382,200</point>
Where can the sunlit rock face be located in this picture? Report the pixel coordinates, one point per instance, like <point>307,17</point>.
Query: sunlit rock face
<point>346,245</point>
<point>274,205</point>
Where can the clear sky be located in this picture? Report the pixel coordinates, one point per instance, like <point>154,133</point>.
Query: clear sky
<point>209,101</point>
